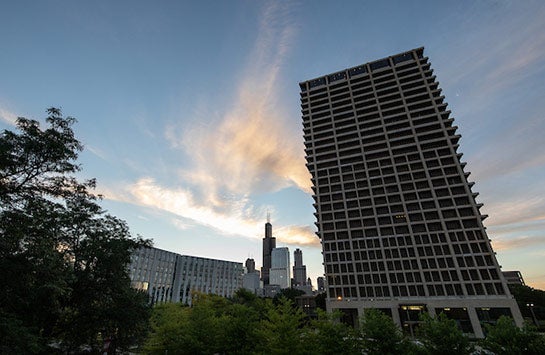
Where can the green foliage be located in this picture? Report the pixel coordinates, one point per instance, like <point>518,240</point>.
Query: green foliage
<point>327,335</point>
<point>320,300</point>
<point>212,325</point>
<point>506,338</point>
<point>289,293</point>
<point>441,335</point>
<point>63,258</point>
<point>281,330</point>
<point>379,333</point>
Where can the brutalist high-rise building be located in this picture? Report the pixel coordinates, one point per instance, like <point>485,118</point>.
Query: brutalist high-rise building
<point>396,215</point>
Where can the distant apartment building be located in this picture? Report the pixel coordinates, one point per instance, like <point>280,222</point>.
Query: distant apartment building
<point>171,277</point>
<point>513,277</point>
<point>399,225</point>
<point>280,268</point>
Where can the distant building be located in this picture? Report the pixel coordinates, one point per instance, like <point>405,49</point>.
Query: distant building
<point>299,270</point>
<point>269,243</point>
<point>280,267</point>
<point>153,270</point>
<point>171,277</point>
<point>251,279</point>
<point>513,277</point>
<point>250,265</point>
<point>321,285</point>
<point>308,304</point>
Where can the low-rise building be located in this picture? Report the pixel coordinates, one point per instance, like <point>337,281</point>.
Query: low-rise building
<point>171,277</point>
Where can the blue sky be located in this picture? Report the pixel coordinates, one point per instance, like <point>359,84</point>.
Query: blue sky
<point>190,114</point>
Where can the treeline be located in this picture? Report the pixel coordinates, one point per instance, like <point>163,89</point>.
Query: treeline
<point>246,324</point>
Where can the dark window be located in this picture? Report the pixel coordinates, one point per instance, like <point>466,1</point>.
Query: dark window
<point>317,82</point>
<point>379,64</point>
<point>403,58</point>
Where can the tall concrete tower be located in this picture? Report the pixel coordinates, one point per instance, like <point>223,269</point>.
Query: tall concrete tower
<point>399,225</point>
<point>269,243</point>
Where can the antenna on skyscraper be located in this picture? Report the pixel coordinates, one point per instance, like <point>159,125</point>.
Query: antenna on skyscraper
<point>268,217</point>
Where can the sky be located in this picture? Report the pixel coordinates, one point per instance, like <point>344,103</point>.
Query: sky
<point>190,112</point>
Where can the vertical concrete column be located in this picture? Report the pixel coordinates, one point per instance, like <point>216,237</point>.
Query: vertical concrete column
<point>475,323</point>
<point>395,316</point>
<point>517,316</point>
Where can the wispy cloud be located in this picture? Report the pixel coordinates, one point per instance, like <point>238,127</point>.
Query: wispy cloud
<point>8,116</point>
<point>525,209</point>
<point>247,150</point>
<point>237,217</point>
<point>515,148</point>
<point>250,149</point>
<point>505,244</point>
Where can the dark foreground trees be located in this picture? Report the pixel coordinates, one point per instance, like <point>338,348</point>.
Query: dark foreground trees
<point>62,258</point>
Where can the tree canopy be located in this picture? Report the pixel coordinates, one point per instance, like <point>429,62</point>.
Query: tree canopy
<point>63,258</point>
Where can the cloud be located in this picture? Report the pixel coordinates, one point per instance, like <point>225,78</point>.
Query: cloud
<point>8,116</point>
<point>236,217</point>
<point>515,148</point>
<point>249,150</point>
<point>525,209</point>
<point>504,244</point>
<point>298,235</point>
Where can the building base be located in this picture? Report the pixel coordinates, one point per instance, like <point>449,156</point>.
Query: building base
<point>471,314</point>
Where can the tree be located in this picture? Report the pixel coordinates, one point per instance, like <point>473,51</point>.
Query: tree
<point>380,334</point>
<point>289,293</point>
<point>281,331</point>
<point>441,335</point>
<point>506,338</point>
<point>63,259</point>
<point>328,335</point>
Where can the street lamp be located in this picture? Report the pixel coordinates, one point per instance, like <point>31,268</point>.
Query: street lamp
<point>531,306</point>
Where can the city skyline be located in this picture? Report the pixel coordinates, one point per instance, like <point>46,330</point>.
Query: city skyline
<point>190,117</point>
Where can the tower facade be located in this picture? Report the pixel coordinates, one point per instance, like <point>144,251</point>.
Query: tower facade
<point>280,267</point>
<point>269,243</point>
<point>396,215</point>
<point>299,270</point>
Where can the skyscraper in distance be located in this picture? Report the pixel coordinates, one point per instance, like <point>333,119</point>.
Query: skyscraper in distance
<point>250,265</point>
<point>299,270</point>
<point>397,218</point>
<point>280,268</point>
<point>269,243</point>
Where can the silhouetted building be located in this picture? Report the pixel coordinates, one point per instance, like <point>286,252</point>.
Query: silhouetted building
<point>250,265</point>
<point>269,243</point>
<point>398,221</point>
<point>280,267</point>
<point>299,270</point>
<point>320,284</point>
